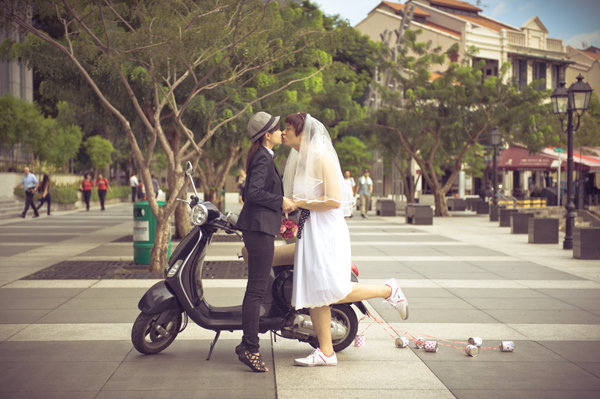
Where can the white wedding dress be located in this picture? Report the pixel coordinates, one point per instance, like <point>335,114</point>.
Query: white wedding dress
<point>322,262</point>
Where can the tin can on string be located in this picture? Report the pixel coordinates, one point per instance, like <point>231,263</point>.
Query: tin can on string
<point>359,340</point>
<point>430,346</point>
<point>402,342</point>
<point>477,341</point>
<point>507,346</point>
<point>472,350</point>
<point>419,343</point>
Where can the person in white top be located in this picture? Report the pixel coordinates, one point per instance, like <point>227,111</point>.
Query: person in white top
<point>322,262</point>
<point>134,183</point>
<point>365,190</point>
<point>349,180</point>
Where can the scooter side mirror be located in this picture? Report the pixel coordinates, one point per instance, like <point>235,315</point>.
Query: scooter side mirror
<point>189,169</point>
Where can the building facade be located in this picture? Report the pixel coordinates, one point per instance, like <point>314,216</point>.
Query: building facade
<point>529,50</point>
<point>16,79</point>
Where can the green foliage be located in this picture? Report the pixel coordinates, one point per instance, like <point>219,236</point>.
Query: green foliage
<point>51,140</point>
<point>353,154</point>
<point>99,150</point>
<point>589,130</point>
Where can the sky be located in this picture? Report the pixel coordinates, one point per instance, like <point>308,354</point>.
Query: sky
<point>573,21</point>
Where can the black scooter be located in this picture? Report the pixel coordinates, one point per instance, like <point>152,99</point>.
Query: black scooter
<point>168,304</point>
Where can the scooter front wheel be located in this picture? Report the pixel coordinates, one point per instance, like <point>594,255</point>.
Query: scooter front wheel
<point>149,337</point>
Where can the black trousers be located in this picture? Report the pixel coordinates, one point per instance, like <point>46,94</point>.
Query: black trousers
<point>47,200</point>
<point>133,192</point>
<point>260,248</point>
<point>102,195</point>
<point>87,194</point>
<point>29,202</point>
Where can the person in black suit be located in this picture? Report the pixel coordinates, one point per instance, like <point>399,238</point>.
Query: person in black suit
<point>259,220</point>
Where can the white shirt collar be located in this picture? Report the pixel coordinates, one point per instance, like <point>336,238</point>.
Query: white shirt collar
<point>270,151</point>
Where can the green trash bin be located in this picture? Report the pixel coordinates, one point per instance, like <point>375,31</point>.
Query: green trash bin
<point>144,228</point>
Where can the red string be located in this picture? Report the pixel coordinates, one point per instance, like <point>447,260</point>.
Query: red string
<point>412,337</point>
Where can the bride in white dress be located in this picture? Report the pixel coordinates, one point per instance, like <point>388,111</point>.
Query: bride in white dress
<point>313,180</point>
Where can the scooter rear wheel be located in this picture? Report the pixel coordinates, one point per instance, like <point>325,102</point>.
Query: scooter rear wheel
<point>344,314</point>
<point>149,338</point>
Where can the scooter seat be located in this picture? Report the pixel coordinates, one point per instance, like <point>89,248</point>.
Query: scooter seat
<point>282,256</point>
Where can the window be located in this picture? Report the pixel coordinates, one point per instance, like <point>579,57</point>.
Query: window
<point>556,75</point>
<point>539,72</point>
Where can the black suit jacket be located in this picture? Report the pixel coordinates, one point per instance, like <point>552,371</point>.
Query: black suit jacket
<point>263,196</point>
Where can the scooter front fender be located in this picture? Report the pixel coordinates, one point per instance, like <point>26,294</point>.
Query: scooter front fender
<point>157,299</point>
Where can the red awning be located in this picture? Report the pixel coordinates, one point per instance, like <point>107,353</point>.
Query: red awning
<point>518,158</point>
<point>590,163</point>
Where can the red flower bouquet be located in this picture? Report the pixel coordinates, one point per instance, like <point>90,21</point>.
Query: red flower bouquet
<point>288,229</point>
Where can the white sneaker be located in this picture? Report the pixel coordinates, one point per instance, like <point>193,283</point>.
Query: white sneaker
<point>397,298</point>
<point>317,358</point>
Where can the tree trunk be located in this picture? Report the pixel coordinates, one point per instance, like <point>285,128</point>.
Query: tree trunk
<point>441,208</point>
<point>182,220</point>
<point>160,249</point>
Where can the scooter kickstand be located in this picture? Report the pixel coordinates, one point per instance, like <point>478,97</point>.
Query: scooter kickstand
<point>212,346</point>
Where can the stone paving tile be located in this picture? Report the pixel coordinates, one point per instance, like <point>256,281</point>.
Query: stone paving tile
<point>205,392</point>
<point>356,236</point>
<point>468,251</point>
<point>22,316</point>
<point>575,351</point>
<point>64,351</point>
<point>183,366</point>
<point>18,249</point>
<point>33,237</point>
<point>51,395</point>
<point>538,275</point>
<point>38,293</point>
<point>496,293</point>
<point>101,315</point>
<point>33,303</point>
<point>518,304</point>
<point>557,316</point>
<point>523,394</point>
<point>446,266</point>
<point>592,367</point>
<point>451,275</point>
<point>48,376</point>
<point>525,375</point>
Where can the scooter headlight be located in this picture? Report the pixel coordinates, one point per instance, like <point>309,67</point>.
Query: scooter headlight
<point>199,214</point>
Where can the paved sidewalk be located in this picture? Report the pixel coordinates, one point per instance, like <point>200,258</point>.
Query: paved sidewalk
<point>463,276</point>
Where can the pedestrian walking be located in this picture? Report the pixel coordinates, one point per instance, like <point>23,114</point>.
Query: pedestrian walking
<point>44,191</point>
<point>86,188</point>
<point>349,180</point>
<point>260,221</point>
<point>102,184</point>
<point>30,184</point>
<point>365,190</point>
<point>134,183</point>
<point>313,180</point>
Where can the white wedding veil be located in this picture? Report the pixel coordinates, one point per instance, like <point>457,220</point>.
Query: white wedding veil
<point>313,174</point>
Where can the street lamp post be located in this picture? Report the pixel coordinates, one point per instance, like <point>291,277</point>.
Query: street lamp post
<point>565,102</point>
<point>495,139</point>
